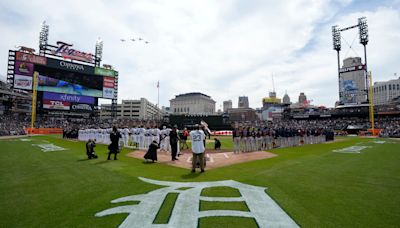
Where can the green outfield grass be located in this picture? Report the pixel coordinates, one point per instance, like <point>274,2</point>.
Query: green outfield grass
<point>315,186</point>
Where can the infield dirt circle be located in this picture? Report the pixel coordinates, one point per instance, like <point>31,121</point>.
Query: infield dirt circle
<point>214,158</point>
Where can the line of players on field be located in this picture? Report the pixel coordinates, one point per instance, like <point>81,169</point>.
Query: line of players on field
<point>247,139</point>
<point>138,137</point>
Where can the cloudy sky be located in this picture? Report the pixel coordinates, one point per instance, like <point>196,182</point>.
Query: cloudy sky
<point>224,49</point>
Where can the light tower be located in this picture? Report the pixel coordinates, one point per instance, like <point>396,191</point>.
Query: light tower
<point>337,46</point>
<point>43,38</point>
<point>98,52</point>
<point>336,38</point>
<point>363,30</point>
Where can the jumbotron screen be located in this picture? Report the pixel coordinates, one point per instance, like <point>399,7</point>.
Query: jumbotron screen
<point>62,76</point>
<point>59,81</point>
<point>71,78</point>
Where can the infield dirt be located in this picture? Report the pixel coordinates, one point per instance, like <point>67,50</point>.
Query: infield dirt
<point>214,158</point>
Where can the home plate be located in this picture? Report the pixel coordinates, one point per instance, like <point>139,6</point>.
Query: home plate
<point>214,158</point>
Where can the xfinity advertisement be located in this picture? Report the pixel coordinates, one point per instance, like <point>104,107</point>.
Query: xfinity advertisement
<point>69,98</point>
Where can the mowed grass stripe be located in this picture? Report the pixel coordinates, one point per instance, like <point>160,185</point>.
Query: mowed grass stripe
<point>227,222</point>
<point>236,206</point>
<point>166,208</point>
<point>220,192</point>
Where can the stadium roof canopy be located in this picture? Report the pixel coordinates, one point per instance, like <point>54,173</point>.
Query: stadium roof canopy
<point>352,106</point>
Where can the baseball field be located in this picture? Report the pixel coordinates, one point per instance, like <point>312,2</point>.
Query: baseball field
<point>46,181</point>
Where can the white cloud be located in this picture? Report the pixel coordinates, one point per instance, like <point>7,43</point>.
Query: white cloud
<point>222,48</point>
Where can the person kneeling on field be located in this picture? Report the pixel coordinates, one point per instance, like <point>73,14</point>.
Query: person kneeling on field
<point>90,149</point>
<point>217,144</point>
<point>152,152</point>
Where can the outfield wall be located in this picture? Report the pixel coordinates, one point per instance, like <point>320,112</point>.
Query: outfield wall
<point>44,131</point>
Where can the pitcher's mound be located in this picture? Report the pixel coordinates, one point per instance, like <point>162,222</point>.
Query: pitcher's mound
<point>214,158</point>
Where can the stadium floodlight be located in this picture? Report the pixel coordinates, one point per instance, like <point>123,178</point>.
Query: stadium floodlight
<point>99,49</point>
<point>337,45</point>
<point>363,30</point>
<point>44,36</point>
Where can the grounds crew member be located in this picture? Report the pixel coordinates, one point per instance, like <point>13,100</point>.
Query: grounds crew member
<point>197,137</point>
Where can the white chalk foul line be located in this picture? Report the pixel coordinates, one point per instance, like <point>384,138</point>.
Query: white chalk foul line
<point>211,158</point>
<point>226,155</point>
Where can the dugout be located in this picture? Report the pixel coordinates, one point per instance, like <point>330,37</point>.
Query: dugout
<point>355,129</point>
<point>215,122</point>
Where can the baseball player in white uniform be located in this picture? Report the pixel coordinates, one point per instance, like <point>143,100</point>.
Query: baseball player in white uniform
<point>141,137</point>
<point>80,135</point>
<point>156,134</point>
<point>148,136</point>
<point>133,136</point>
<point>125,136</point>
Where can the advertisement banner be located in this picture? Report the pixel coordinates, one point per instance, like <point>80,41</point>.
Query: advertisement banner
<point>23,82</point>
<point>104,72</point>
<point>352,68</point>
<point>108,93</point>
<point>82,107</point>
<point>59,86</point>
<point>108,82</point>
<point>57,105</point>
<point>25,57</point>
<point>350,91</point>
<point>69,66</point>
<point>23,68</point>
<point>68,98</point>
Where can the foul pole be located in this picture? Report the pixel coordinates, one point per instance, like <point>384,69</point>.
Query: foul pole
<point>371,104</point>
<point>34,95</point>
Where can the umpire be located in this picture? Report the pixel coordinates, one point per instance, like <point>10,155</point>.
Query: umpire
<point>114,146</point>
<point>173,141</point>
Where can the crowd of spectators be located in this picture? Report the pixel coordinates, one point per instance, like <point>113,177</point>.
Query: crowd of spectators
<point>15,125</point>
<point>12,125</point>
<point>390,127</point>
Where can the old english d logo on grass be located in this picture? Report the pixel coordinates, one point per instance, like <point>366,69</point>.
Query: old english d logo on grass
<point>49,147</point>
<point>186,209</point>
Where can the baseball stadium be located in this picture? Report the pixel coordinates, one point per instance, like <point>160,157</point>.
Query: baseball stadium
<point>76,150</point>
<point>49,182</point>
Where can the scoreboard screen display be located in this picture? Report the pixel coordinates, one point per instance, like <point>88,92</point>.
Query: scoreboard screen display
<point>61,81</point>
<point>63,76</point>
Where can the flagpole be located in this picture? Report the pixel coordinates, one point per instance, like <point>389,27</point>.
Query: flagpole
<point>158,98</point>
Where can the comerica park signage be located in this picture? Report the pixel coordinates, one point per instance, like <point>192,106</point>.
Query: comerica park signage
<point>65,50</point>
<point>352,68</point>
